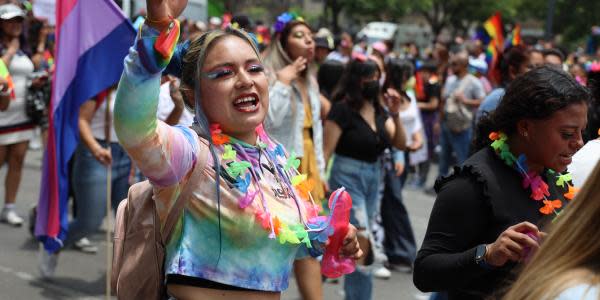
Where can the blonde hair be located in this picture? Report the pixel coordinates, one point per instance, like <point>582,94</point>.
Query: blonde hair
<point>277,58</point>
<point>570,254</point>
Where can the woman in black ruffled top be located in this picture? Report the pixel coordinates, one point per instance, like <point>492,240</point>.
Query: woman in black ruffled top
<point>488,214</point>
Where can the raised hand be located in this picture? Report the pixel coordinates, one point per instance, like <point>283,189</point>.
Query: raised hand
<point>291,71</point>
<point>393,100</point>
<point>161,10</point>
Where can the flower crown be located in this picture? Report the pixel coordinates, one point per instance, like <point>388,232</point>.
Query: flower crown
<point>285,18</point>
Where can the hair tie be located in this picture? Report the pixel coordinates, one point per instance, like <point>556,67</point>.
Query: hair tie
<point>175,66</point>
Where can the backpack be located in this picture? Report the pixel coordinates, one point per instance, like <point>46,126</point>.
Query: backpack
<point>458,117</point>
<point>139,243</point>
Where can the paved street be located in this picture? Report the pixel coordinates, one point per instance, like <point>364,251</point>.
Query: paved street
<point>81,276</point>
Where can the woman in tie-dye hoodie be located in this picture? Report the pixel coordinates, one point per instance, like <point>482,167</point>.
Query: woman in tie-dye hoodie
<point>240,230</point>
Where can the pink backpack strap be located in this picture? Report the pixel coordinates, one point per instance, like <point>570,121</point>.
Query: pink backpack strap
<point>186,193</point>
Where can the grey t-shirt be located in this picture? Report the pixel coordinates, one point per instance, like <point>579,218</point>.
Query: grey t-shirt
<point>472,87</point>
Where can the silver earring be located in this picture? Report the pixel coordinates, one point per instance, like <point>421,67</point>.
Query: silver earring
<point>525,134</point>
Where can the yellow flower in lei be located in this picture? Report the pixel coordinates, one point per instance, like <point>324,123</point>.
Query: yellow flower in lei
<point>241,170</point>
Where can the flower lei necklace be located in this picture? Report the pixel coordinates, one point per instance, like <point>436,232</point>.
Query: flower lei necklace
<point>531,179</point>
<point>241,163</point>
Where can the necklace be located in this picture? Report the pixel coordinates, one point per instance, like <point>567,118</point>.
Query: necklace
<point>532,179</point>
<point>245,169</point>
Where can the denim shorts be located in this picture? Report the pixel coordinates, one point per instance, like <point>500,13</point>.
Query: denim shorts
<point>361,180</point>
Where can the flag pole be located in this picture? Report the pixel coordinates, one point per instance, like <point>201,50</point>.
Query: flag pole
<point>108,230</point>
<point>107,134</point>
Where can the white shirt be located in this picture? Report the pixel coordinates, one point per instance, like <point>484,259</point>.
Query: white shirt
<point>411,120</point>
<point>20,67</point>
<point>98,123</point>
<point>166,106</point>
<point>584,162</point>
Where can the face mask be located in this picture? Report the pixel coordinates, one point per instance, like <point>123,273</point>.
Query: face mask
<point>370,90</point>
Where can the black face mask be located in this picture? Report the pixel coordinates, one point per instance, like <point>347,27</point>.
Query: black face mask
<point>370,90</point>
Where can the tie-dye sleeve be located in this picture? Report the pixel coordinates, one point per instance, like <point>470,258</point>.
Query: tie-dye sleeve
<point>163,153</point>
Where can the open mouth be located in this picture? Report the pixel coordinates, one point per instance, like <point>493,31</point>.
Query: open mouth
<point>566,158</point>
<point>246,103</point>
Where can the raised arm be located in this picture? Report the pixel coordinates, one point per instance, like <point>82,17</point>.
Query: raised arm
<point>393,125</point>
<point>163,153</point>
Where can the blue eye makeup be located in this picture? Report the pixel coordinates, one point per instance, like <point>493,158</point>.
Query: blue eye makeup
<point>223,72</point>
<point>256,68</point>
<point>219,73</point>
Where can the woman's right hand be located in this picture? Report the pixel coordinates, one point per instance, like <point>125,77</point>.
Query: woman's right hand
<point>103,155</point>
<point>160,10</point>
<point>291,71</point>
<point>513,245</point>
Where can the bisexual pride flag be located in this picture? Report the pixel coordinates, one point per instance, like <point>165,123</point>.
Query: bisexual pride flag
<point>92,39</point>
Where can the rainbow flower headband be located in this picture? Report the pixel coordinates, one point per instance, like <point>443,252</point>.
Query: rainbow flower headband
<point>284,19</point>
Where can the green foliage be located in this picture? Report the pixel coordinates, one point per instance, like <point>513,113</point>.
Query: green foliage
<point>387,10</point>
<point>572,18</point>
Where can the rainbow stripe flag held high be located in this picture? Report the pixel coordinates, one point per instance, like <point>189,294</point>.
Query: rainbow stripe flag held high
<point>495,30</point>
<point>514,38</point>
<point>92,39</point>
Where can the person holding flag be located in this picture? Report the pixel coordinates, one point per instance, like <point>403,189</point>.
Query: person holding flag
<point>87,62</point>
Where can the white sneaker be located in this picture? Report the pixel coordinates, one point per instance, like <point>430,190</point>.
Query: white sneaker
<point>84,245</point>
<point>382,273</point>
<point>11,217</point>
<point>47,262</point>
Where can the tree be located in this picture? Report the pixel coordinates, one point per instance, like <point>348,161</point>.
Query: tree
<point>384,10</point>
<point>573,19</point>
<point>459,15</point>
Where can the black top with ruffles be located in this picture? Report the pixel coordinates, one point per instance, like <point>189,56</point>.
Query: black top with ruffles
<point>475,204</point>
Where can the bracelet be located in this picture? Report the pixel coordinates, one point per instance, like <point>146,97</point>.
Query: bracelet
<point>395,115</point>
<point>163,22</point>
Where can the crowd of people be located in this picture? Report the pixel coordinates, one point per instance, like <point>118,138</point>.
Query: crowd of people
<point>274,121</point>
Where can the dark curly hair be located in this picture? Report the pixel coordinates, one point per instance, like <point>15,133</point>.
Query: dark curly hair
<point>397,72</point>
<point>536,95</point>
<point>513,57</point>
<point>328,76</point>
<point>350,87</point>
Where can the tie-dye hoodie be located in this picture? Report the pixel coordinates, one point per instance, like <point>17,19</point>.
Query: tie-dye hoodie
<point>244,256</point>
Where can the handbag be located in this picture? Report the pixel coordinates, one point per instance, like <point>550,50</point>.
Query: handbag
<point>458,117</point>
<point>36,101</point>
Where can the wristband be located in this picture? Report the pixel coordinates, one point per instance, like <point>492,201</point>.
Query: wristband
<point>394,115</point>
<point>161,23</point>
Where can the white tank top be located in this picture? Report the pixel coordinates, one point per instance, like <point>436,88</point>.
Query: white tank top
<point>99,120</point>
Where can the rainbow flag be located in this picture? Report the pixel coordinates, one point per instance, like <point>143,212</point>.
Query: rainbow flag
<point>514,38</point>
<point>92,39</point>
<point>493,27</point>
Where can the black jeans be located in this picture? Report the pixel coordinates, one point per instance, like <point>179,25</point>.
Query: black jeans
<point>399,243</point>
